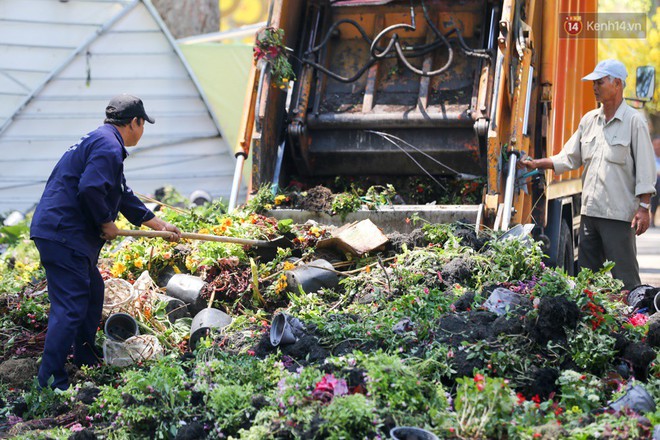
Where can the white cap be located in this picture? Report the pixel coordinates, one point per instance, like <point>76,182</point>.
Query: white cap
<point>613,68</point>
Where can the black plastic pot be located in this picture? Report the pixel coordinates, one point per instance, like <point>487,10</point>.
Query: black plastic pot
<point>312,277</point>
<point>188,289</point>
<point>175,308</point>
<point>638,294</point>
<point>410,433</point>
<point>120,326</point>
<point>285,330</point>
<point>204,322</point>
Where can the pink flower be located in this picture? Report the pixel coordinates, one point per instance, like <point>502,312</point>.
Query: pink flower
<point>329,387</point>
<point>77,427</point>
<point>638,320</point>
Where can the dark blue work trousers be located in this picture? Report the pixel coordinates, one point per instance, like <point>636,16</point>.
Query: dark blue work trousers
<point>75,290</point>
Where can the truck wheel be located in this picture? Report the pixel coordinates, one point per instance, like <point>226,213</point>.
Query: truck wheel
<point>565,257</point>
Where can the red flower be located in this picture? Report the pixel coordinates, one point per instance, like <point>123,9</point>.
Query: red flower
<point>478,377</point>
<point>521,398</point>
<point>480,386</point>
<point>638,320</point>
<point>329,387</point>
<point>536,399</point>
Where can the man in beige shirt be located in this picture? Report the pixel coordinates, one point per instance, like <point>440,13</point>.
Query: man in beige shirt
<point>614,145</point>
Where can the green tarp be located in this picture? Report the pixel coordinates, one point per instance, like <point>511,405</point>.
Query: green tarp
<point>222,71</point>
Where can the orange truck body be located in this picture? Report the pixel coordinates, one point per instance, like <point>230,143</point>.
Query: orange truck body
<point>524,97</point>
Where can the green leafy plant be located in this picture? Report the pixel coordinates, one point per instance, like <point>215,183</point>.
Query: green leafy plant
<point>509,260</point>
<point>379,195</point>
<point>349,417</point>
<point>580,393</point>
<point>395,387</point>
<point>148,402</point>
<point>483,406</point>
<point>553,282</point>
<point>345,203</point>
<point>229,406</point>
<point>41,401</point>
<point>591,351</point>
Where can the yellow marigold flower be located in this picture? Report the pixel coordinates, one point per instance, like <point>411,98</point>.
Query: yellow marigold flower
<point>138,263</point>
<point>367,269</point>
<point>226,222</point>
<point>118,269</point>
<point>218,230</point>
<point>279,199</point>
<point>268,206</point>
<point>281,284</point>
<point>315,231</point>
<point>288,265</point>
<point>204,231</point>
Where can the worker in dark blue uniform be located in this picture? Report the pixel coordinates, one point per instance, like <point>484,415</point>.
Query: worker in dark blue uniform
<point>74,218</point>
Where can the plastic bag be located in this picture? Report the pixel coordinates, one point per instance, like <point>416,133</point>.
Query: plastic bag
<point>135,349</point>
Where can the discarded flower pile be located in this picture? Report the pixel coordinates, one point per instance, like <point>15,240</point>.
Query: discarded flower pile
<point>465,336</point>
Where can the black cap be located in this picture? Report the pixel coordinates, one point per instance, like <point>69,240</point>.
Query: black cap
<point>127,107</point>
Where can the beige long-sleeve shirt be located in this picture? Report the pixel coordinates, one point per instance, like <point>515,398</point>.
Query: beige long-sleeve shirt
<point>618,159</point>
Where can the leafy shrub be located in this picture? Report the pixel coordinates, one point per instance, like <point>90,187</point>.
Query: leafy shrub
<point>398,390</point>
<point>229,405</point>
<point>591,351</point>
<point>483,406</point>
<point>580,393</point>
<point>349,417</point>
<point>509,260</point>
<point>148,402</point>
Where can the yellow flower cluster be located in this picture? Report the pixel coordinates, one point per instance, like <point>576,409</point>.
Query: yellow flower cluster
<point>118,269</point>
<point>222,229</point>
<point>192,263</point>
<point>281,284</point>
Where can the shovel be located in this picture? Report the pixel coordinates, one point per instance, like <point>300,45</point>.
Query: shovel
<point>282,242</point>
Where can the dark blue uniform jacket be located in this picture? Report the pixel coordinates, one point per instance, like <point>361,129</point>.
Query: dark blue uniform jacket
<point>87,188</point>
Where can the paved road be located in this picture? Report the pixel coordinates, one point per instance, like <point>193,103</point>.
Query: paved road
<point>648,256</point>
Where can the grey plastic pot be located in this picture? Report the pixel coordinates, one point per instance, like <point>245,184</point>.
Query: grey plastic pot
<point>188,289</point>
<point>174,307</point>
<point>285,330</point>
<point>312,276</point>
<point>204,322</point>
<point>637,399</point>
<point>410,433</point>
<point>120,326</point>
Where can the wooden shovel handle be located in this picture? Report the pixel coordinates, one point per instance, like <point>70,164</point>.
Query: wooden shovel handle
<point>193,236</point>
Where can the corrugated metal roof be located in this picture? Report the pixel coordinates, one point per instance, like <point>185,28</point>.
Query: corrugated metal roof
<point>61,62</point>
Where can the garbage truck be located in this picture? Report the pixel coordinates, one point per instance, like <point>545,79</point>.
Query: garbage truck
<point>403,88</point>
